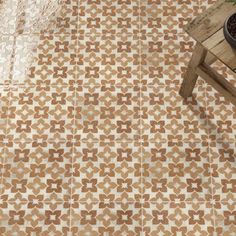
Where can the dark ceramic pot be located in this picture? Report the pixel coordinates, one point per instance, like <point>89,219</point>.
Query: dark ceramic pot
<point>230,39</point>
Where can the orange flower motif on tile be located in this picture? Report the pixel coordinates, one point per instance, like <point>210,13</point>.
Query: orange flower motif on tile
<point>94,137</point>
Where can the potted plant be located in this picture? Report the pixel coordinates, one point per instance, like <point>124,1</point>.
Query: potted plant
<point>230,27</point>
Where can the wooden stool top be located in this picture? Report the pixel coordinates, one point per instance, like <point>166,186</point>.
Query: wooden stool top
<point>207,29</point>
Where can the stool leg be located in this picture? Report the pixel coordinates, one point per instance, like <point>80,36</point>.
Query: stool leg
<point>190,77</point>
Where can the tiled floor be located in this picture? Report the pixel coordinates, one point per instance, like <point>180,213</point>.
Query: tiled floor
<point>94,138</point>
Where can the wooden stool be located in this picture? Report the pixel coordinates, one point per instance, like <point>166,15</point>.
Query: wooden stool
<point>207,30</point>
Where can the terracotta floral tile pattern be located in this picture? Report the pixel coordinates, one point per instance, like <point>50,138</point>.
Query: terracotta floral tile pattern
<point>41,113</point>
<point>40,218</point>
<point>5,94</point>
<point>181,218</point>
<point>107,114</point>
<point>223,171</point>
<point>107,172</point>
<point>97,16</point>
<point>46,59</point>
<point>166,117</point>
<point>176,172</point>
<point>94,137</point>
<point>164,58</point>
<point>221,116</point>
<point>37,171</point>
<point>108,59</point>
<point>106,218</point>
<point>225,218</point>
<point>167,17</point>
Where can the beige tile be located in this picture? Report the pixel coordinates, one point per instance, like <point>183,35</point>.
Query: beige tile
<point>34,218</point>
<point>178,219</point>
<point>109,16</point>
<point>103,218</point>
<point>37,113</point>
<point>107,172</point>
<point>108,114</point>
<point>94,136</point>
<point>37,171</point>
<point>178,172</point>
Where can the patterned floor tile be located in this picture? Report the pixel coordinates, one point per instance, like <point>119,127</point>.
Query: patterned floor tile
<point>167,117</point>
<point>24,17</point>
<point>177,172</point>
<point>165,58</point>
<point>225,219</point>
<point>221,113</point>
<point>178,219</point>
<point>153,115</point>
<point>34,218</point>
<point>94,137</point>
<point>4,113</point>
<point>223,157</point>
<point>109,59</point>
<point>120,16</point>
<point>107,114</point>
<point>167,17</point>
<point>45,59</point>
<point>41,113</point>
<point>2,145</point>
<point>107,172</point>
<point>106,219</point>
<point>37,171</point>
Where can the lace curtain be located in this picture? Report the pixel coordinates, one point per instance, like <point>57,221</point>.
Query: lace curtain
<point>28,16</point>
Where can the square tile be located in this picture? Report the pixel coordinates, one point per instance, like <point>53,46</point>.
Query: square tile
<point>107,114</point>
<point>109,59</point>
<point>41,113</point>
<point>225,219</point>
<point>166,116</point>
<point>37,171</point>
<point>223,156</point>
<point>106,219</point>
<point>178,219</point>
<point>176,173</point>
<point>31,218</point>
<point>165,58</point>
<point>107,172</point>
<point>45,59</point>
<point>167,16</point>
<point>120,16</point>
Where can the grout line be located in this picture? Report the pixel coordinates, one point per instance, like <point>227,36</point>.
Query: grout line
<point>113,142</point>
<point>209,157</point>
<point>211,164</point>
<point>114,202</point>
<point>65,34</point>
<point>74,121</point>
<point>4,143</point>
<point>140,115</point>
